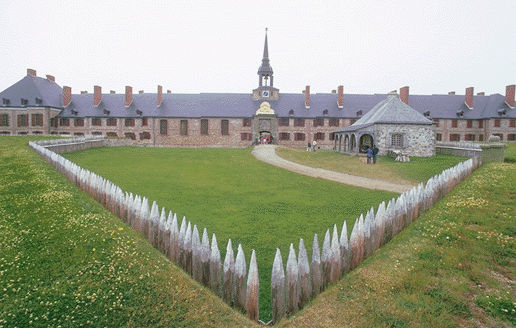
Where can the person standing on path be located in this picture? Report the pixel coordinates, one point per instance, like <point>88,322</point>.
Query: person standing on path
<point>375,152</point>
<point>308,146</point>
<point>369,153</point>
<point>314,145</point>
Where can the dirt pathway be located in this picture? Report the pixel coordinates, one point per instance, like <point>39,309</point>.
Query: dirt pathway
<point>267,154</point>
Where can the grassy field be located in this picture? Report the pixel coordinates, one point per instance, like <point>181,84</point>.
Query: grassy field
<point>453,267</point>
<point>419,169</point>
<point>235,196</point>
<point>510,152</point>
<point>67,262</point>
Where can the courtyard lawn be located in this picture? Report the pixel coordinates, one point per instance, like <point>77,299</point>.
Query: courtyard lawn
<point>510,152</point>
<point>65,261</point>
<point>419,169</point>
<point>235,196</point>
<point>453,267</point>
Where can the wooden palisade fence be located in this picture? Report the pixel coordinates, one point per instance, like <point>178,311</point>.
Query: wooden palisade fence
<point>292,288</point>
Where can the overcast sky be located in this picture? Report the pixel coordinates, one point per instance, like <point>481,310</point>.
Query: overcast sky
<point>216,46</point>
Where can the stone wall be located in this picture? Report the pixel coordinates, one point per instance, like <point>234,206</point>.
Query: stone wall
<point>13,128</point>
<point>419,140</point>
<point>68,145</point>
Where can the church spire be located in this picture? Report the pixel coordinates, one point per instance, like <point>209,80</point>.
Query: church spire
<point>265,48</point>
<point>265,71</point>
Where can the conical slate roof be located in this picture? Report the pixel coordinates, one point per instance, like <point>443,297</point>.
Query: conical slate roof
<point>265,68</point>
<point>390,111</point>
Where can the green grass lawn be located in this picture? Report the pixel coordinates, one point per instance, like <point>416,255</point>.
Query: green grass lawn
<point>453,267</point>
<point>235,196</point>
<point>510,152</point>
<point>65,261</point>
<point>419,169</point>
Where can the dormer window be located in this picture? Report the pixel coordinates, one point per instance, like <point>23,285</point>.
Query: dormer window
<point>427,113</point>
<point>24,102</point>
<point>39,101</point>
<point>74,112</point>
<point>460,113</point>
<point>325,112</point>
<point>106,112</point>
<point>359,113</point>
<point>291,112</point>
<point>502,111</point>
<point>6,101</point>
<point>139,112</point>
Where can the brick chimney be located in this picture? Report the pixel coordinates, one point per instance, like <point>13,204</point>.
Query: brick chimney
<point>31,72</point>
<point>340,96</point>
<point>451,93</point>
<point>404,94</point>
<point>307,96</point>
<point>50,78</point>
<point>160,95</point>
<point>128,95</point>
<point>67,96</point>
<point>481,93</point>
<point>469,97</point>
<point>97,95</point>
<point>509,95</point>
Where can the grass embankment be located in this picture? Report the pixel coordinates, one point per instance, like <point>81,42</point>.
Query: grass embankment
<point>454,266</point>
<point>65,261</point>
<point>510,152</point>
<point>235,196</point>
<point>419,169</point>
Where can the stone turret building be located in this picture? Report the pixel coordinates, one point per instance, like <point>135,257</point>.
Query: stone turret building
<point>390,125</point>
<point>36,105</point>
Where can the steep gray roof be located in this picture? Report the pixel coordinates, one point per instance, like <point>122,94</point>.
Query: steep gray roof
<point>390,111</point>
<point>32,87</point>
<point>239,105</point>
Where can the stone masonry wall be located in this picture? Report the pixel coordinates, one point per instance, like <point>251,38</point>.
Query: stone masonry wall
<point>419,140</point>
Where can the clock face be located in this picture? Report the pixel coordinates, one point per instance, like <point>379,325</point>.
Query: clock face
<point>265,93</point>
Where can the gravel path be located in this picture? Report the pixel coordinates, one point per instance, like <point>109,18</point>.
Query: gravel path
<point>267,154</point>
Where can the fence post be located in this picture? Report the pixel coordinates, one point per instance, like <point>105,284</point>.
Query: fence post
<point>229,272</point>
<point>326,260</point>
<point>196,255</point>
<point>205,258</point>
<point>174,240</point>
<point>187,246</point>
<point>335,256</point>
<point>316,268</point>
<point>292,282</point>
<point>278,288</point>
<point>215,266</point>
<point>344,248</point>
<point>181,242</point>
<point>303,268</point>
<point>239,280</point>
<point>253,289</point>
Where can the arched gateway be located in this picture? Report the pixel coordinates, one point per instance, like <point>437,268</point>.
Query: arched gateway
<point>265,123</point>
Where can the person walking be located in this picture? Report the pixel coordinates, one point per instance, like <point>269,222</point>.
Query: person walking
<point>308,146</point>
<point>314,145</point>
<point>375,152</point>
<point>369,153</point>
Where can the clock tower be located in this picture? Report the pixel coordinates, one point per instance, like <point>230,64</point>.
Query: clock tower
<point>265,90</point>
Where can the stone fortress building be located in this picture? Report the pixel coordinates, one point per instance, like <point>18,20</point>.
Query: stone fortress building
<point>36,105</point>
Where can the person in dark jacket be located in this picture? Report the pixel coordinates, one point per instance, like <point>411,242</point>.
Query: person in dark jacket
<point>369,153</point>
<point>375,152</point>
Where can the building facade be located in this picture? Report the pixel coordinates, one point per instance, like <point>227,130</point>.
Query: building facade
<point>36,105</point>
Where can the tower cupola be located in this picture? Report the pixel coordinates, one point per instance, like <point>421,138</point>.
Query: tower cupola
<point>265,88</point>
